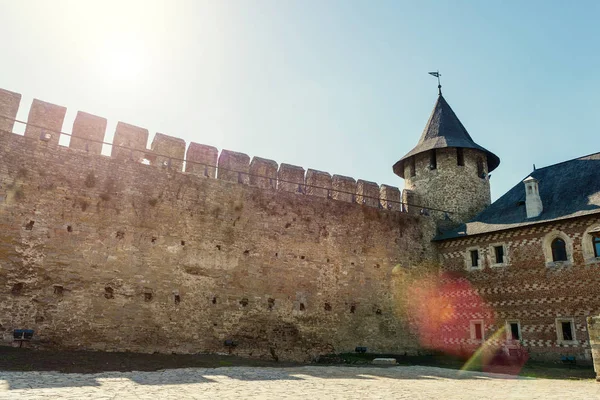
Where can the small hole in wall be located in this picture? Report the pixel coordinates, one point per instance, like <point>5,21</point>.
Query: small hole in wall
<point>276,254</point>
<point>288,225</point>
<point>351,263</point>
<point>327,307</point>
<point>219,247</point>
<point>109,292</point>
<point>17,288</point>
<point>58,290</point>
<point>69,228</point>
<point>177,299</point>
<point>147,296</point>
<point>271,303</point>
<point>302,308</point>
<point>377,266</point>
<point>378,311</point>
<point>214,300</point>
<point>302,257</point>
<point>328,260</point>
<point>183,242</point>
<point>246,252</point>
<point>153,239</point>
<point>244,302</point>
<point>120,235</point>
<point>29,225</point>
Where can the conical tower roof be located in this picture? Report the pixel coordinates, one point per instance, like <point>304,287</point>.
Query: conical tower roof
<point>444,129</point>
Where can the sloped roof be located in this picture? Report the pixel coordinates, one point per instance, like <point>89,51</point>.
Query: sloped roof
<point>568,189</point>
<point>444,129</point>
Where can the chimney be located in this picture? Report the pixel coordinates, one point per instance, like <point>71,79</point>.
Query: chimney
<point>533,202</point>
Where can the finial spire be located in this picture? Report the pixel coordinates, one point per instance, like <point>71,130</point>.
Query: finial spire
<point>437,75</point>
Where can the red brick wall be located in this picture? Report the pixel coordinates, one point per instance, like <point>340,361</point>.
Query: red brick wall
<point>526,289</point>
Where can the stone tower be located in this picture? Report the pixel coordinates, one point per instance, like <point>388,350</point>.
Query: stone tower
<point>447,170</point>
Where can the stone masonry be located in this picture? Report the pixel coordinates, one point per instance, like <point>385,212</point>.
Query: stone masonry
<point>107,253</point>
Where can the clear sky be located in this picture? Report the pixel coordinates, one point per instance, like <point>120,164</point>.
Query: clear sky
<point>339,86</point>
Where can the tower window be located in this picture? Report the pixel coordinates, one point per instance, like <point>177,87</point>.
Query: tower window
<point>559,250</point>
<point>480,171</point>
<point>460,157</point>
<point>432,160</point>
<point>411,166</point>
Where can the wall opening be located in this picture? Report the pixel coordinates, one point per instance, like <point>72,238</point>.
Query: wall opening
<point>109,292</point>
<point>460,157</point>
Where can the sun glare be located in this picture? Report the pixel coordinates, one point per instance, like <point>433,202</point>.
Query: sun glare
<point>122,60</point>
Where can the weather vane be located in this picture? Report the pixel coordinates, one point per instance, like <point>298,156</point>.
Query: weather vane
<point>437,75</point>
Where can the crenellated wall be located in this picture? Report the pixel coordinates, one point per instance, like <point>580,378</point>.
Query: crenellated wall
<point>110,253</point>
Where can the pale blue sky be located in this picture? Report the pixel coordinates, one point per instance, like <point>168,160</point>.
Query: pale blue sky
<point>339,86</point>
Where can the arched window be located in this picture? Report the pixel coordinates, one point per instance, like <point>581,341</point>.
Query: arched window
<point>559,250</point>
<point>596,245</point>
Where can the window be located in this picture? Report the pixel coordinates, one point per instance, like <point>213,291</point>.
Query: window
<point>596,245</point>
<point>460,157</point>
<point>412,166</point>
<point>480,171</point>
<point>499,254</point>
<point>513,330</point>
<point>432,160</point>
<point>565,330</point>
<point>474,258</point>
<point>477,330</point>
<point>559,250</point>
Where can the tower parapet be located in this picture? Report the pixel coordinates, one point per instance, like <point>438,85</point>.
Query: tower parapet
<point>88,133</point>
<point>168,152</point>
<point>49,117</point>
<point>129,142</point>
<point>9,106</point>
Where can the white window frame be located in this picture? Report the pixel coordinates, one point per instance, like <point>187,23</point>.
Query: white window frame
<point>509,331</point>
<point>492,255</point>
<point>559,331</point>
<point>479,259</point>
<point>587,245</point>
<point>547,248</point>
<point>472,324</point>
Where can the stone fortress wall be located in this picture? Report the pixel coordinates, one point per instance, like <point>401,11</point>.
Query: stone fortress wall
<point>109,253</point>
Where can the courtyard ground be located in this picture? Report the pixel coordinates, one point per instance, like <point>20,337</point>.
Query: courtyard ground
<point>303,382</point>
<point>28,374</point>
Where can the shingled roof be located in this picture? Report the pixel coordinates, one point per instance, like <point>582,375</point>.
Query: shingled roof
<point>444,129</point>
<point>568,189</point>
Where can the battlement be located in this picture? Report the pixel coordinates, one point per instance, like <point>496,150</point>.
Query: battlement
<point>130,144</point>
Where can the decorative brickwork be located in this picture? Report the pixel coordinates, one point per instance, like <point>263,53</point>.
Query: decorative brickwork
<point>528,289</point>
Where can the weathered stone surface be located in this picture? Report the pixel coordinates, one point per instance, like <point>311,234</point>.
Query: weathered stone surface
<point>263,173</point>
<point>201,160</point>
<point>234,167</point>
<point>169,151</point>
<point>318,183</point>
<point>593,327</point>
<point>390,197</point>
<point>151,260</point>
<point>450,187</point>
<point>344,188</point>
<point>290,178</point>
<point>88,133</point>
<point>129,142</point>
<point>367,193</point>
<point>384,361</point>
<point>49,117</point>
<point>9,106</point>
